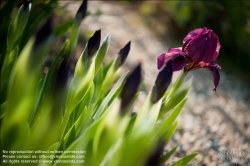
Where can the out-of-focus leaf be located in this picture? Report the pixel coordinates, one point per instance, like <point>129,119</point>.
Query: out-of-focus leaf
<point>170,119</point>
<point>130,126</point>
<point>184,160</point>
<point>110,74</point>
<point>7,68</point>
<point>3,110</point>
<point>63,28</point>
<point>17,25</point>
<point>49,81</point>
<point>170,132</point>
<point>78,88</point>
<point>106,100</point>
<point>53,146</point>
<point>115,150</point>
<point>175,98</point>
<point>178,82</point>
<point>102,51</point>
<point>74,131</point>
<point>166,156</point>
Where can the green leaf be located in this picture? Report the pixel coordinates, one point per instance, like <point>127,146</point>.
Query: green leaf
<point>74,38</point>
<point>17,25</point>
<point>115,150</point>
<point>109,79</point>
<point>178,82</point>
<point>78,89</point>
<point>184,160</point>
<point>170,119</point>
<point>170,132</point>
<point>53,146</point>
<point>175,98</point>
<point>8,64</point>
<point>102,51</point>
<point>130,126</point>
<point>98,84</point>
<point>61,29</point>
<point>49,81</point>
<point>106,100</point>
<point>166,156</point>
<point>72,132</point>
<point>3,109</point>
<point>107,67</point>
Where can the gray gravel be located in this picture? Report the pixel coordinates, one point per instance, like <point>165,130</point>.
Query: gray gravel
<point>210,123</point>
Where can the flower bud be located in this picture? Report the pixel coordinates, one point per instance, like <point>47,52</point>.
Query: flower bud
<point>122,55</point>
<point>131,87</point>
<point>162,81</point>
<point>81,13</point>
<point>93,44</point>
<point>43,33</point>
<point>154,158</point>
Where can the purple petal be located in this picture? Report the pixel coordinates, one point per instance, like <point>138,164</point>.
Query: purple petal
<point>164,58</point>
<point>160,61</point>
<point>215,72</point>
<point>202,48</point>
<point>175,50</point>
<point>180,62</point>
<point>194,33</point>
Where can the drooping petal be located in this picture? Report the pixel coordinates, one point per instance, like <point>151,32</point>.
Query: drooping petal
<point>215,72</point>
<point>164,58</point>
<point>160,60</point>
<point>179,59</point>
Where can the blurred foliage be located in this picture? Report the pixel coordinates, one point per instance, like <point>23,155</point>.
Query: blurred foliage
<point>88,112</point>
<point>230,20</point>
<point>41,10</point>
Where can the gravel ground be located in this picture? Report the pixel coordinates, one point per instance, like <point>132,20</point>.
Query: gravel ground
<point>213,124</point>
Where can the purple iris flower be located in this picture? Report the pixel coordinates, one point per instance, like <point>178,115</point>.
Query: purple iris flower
<point>200,49</point>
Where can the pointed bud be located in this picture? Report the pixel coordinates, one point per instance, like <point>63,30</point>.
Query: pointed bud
<point>81,13</point>
<point>62,75</point>
<point>122,55</point>
<point>26,5</point>
<point>44,32</point>
<point>94,43</point>
<point>162,81</point>
<point>154,158</point>
<point>131,87</point>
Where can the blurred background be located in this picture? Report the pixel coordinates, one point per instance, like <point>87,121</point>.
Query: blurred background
<point>211,123</point>
<point>230,20</point>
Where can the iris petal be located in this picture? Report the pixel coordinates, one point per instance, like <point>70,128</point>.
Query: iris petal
<point>160,61</point>
<point>179,60</point>
<point>194,33</point>
<point>178,49</point>
<point>216,75</point>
